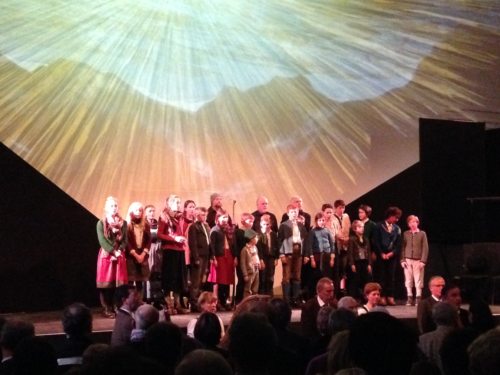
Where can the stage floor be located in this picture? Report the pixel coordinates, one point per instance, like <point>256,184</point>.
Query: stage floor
<point>49,323</point>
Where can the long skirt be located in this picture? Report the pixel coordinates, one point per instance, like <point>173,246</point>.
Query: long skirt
<point>225,268</point>
<point>174,276</point>
<point>111,271</point>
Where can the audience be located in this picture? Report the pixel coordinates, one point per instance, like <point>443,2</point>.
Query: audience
<point>13,332</point>
<point>77,325</point>
<point>130,300</point>
<point>203,362</point>
<point>445,317</point>
<point>484,354</point>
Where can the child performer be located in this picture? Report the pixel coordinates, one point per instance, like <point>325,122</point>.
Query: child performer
<point>111,264</point>
<point>267,247</point>
<point>359,259</point>
<point>320,248</point>
<point>413,259</point>
<point>139,242</point>
<point>250,263</point>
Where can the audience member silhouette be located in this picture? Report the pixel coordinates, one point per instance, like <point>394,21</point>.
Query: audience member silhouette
<point>203,362</point>
<point>77,325</point>
<point>382,345</point>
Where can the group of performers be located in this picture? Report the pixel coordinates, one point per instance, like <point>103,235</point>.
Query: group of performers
<point>186,249</point>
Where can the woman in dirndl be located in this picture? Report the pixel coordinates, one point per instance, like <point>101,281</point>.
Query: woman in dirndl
<point>111,263</point>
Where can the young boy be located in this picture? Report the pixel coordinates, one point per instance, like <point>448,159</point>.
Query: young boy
<point>413,259</point>
<point>267,247</point>
<point>250,263</point>
<point>321,249</point>
<point>291,235</point>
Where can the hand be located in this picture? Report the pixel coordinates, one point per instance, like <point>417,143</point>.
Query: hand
<point>179,239</point>
<point>214,262</point>
<point>369,269</point>
<point>353,268</point>
<point>306,260</point>
<point>275,262</point>
<point>313,263</point>
<point>283,260</point>
<point>422,265</point>
<point>117,253</point>
<point>332,262</point>
<point>236,262</point>
<point>404,265</point>
<point>262,265</point>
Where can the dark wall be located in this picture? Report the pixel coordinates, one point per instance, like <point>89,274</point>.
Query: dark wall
<point>453,162</point>
<point>48,242</point>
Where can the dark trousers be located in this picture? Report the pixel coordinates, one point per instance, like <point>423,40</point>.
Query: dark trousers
<point>266,276</point>
<point>240,285</point>
<point>198,276</point>
<point>386,271</point>
<point>358,279</point>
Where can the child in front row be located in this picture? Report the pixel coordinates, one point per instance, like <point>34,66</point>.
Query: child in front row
<point>250,263</point>
<point>320,248</point>
<point>359,260</point>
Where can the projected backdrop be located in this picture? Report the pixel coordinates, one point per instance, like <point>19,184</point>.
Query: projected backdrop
<point>140,99</point>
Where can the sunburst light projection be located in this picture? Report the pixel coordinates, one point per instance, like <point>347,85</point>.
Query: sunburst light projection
<point>318,98</point>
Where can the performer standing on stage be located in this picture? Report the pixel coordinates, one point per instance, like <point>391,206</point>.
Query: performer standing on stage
<point>221,241</point>
<point>111,263</point>
<point>138,244</point>
<point>174,264</point>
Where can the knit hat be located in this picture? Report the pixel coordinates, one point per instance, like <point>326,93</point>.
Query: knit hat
<point>249,234</point>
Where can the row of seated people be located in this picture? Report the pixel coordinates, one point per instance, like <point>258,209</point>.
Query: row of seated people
<point>348,339</point>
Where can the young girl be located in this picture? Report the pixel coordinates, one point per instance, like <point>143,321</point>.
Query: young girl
<point>320,248</point>
<point>413,259</point>
<point>139,242</point>
<point>372,295</point>
<point>111,263</point>
<point>221,240</point>
<point>250,263</point>
<point>359,259</point>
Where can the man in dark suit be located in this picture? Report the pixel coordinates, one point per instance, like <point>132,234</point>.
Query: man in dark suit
<point>262,206</point>
<point>199,248</point>
<point>13,332</point>
<point>324,296</point>
<point>424,307</point>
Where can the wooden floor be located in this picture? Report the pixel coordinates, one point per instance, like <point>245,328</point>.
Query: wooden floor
<point>49,323</point>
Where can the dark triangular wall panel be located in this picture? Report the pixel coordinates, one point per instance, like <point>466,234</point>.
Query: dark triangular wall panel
<point>48,244</point>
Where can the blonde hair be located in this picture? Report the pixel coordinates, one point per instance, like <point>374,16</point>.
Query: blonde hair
<point>412,217</point>
<point>109,199</point>
<point>133,206</point>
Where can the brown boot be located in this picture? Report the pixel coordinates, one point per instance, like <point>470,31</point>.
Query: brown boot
<point>178,306</point>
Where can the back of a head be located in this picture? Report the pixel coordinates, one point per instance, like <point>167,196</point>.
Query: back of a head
<point>14,331</point>
<point>145,316</point>
<point>208,329</point>
<point>252,342</point>
<point>341,320</point>
<point>481,317</point>
<point>381,344</point>
<point>163,342</point>
<point>323,319</point>
<point>443,314</point>
<point>282,313</point>
<point>484,353</point>
<point>453,351</point>
<point>33,355</point>
<point>203,362</point>
<point>77,320</point>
